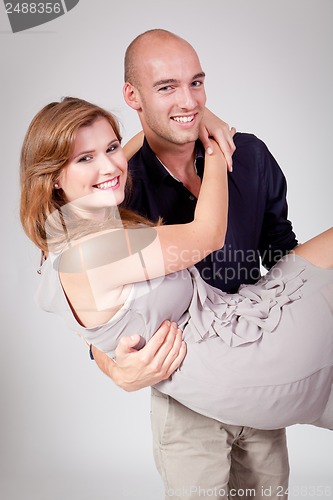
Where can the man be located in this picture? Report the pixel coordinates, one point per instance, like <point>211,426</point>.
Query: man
<point>198,456</point>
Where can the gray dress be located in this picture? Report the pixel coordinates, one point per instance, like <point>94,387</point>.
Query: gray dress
<point>261,358</point>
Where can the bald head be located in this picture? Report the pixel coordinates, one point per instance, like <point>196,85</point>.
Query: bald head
<point>150,41</point>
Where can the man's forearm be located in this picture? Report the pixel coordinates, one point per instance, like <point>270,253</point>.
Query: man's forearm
<point>134,369</point>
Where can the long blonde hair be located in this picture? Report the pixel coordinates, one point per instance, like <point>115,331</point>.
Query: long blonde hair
<point>46,151</point>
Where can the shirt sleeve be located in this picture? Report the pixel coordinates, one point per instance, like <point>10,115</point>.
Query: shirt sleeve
<point>277,236</point>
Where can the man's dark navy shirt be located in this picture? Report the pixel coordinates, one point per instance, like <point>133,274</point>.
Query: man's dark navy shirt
<point>257,220</point>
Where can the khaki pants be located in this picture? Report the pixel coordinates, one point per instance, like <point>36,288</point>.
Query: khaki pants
<point>200,458</point>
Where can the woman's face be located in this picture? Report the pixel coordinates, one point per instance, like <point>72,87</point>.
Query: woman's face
<point>95,176</point>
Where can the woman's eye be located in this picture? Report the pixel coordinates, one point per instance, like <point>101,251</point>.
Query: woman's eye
<point>85,158</point>
<point>113,147</point>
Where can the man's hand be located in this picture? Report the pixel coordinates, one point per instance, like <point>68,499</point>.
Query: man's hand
<point>157,360</point>
<point>212,126</point>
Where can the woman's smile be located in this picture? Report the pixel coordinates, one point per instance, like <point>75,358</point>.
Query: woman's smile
<point>109,184</point>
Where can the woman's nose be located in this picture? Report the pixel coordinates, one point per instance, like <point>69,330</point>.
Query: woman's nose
<point>106,164</point>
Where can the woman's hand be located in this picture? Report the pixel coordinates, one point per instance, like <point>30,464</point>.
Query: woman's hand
<point>212,126</point>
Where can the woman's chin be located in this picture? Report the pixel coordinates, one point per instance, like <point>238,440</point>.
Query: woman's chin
<point>109,198</point>
<point>99,200</point>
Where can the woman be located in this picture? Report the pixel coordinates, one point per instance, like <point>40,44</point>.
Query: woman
<point>262,357</point>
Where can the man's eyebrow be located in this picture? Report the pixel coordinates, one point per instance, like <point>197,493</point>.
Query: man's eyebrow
<point>202,74</point>
<point>169,81</point>
<point>165,82</point>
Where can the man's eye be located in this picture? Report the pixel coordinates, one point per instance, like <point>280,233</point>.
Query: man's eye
<point>196,84</point>
<point>165,89</point>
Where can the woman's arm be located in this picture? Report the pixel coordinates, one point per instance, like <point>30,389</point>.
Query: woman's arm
<point>184,245</point>
<point>117,257</point>
<point>133,145</point>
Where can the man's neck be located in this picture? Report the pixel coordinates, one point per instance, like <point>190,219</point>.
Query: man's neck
<point>179,159</point>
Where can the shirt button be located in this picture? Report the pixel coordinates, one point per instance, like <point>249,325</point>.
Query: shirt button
<point>191,198</point>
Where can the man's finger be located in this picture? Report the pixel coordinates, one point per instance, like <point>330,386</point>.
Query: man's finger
<point>127,344</point>
<point>170,344</point>
<point>172,349</point>
<point>158,339</point>
<point>177,361</point>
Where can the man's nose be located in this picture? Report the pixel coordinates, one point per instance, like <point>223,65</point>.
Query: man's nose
<point>185,98</point>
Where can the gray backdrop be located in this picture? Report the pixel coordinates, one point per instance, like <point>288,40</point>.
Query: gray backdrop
<point>67,432</point>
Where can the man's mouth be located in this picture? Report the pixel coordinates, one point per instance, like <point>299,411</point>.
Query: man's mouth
<point>183,119</point>
<point>108,184</point>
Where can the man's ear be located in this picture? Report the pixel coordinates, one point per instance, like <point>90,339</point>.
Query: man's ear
<point>131,96</point>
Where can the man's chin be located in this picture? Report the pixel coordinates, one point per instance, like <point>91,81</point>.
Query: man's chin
<point>186,138</point>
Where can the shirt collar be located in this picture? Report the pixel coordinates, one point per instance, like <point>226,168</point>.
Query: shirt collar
<point>158,172</point>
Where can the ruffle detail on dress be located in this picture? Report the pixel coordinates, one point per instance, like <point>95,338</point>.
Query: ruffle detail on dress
<point>242,317</point>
